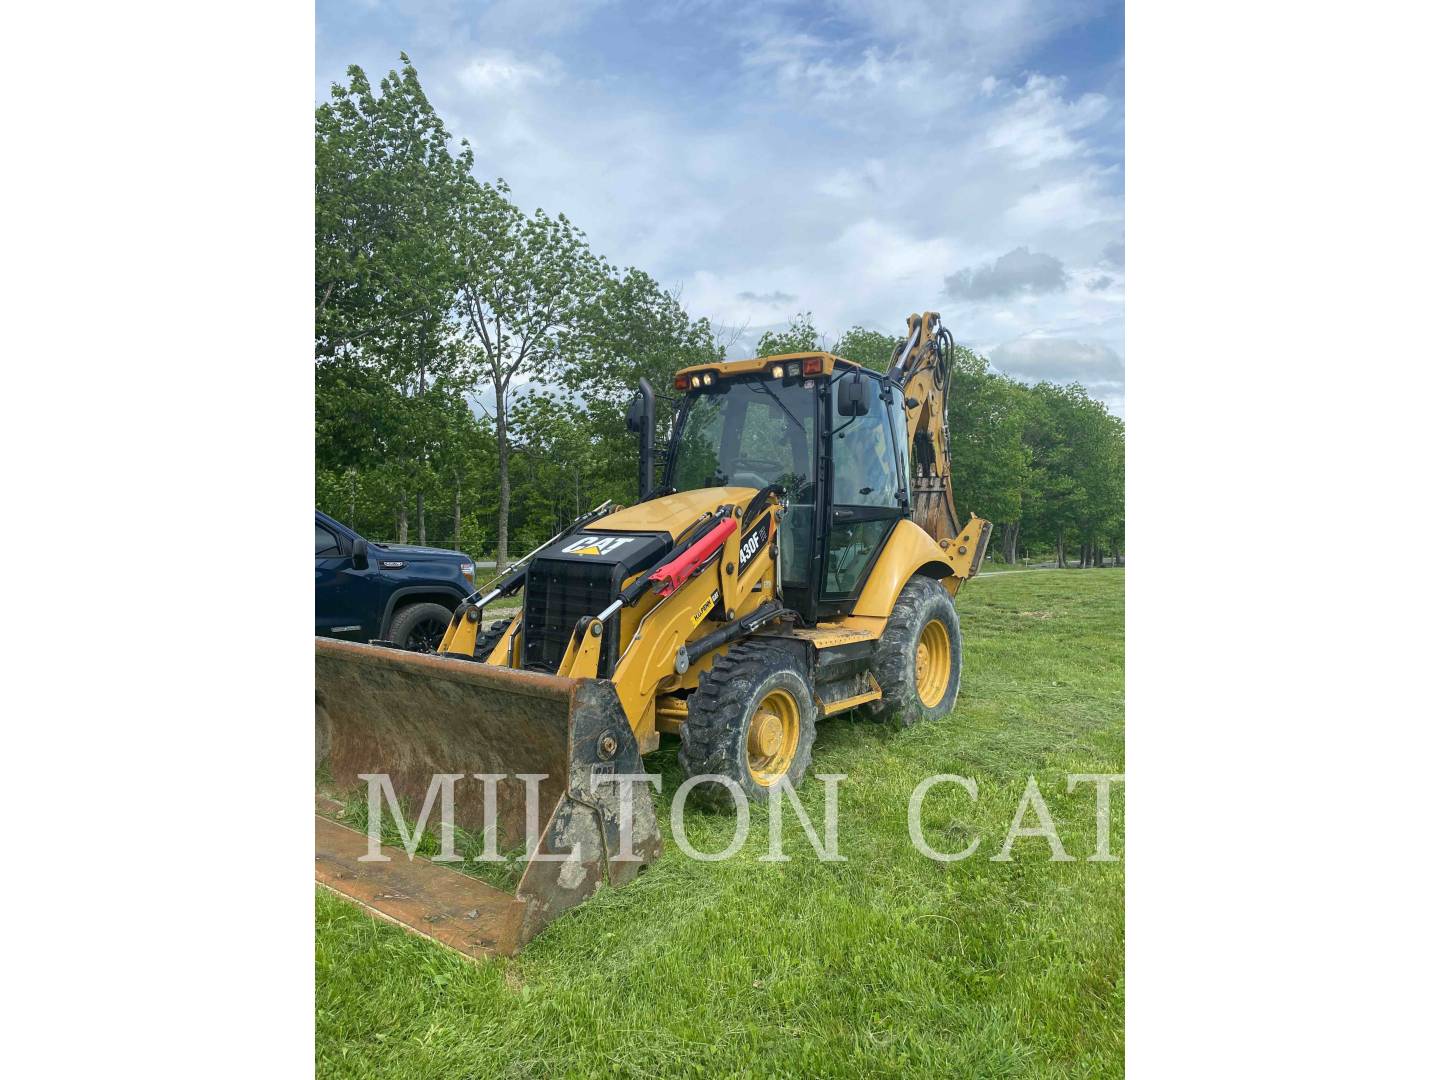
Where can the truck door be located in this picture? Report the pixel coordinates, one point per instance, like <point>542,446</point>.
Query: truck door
<point>344,600</point>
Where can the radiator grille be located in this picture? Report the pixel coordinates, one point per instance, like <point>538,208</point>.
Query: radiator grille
<point>557,595</point>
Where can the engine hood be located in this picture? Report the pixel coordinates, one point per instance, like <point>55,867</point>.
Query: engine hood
<point>671,514</point>
<point>428,554</point>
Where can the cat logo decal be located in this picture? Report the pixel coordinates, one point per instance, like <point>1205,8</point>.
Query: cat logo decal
<point>596,545</point>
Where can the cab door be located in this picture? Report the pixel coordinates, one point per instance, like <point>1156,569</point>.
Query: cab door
<point>867,488</point>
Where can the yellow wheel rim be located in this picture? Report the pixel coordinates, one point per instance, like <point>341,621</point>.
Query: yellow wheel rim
<point>773,738</point>
<point>932,663</point>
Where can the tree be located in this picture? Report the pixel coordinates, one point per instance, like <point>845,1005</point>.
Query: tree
<point>1074,489</point>
<point>988,455</point>
<point>523,283</point>
<point>387,197</point>
<point>633,330</point>
<point>799,336</point>
<point>388,193</point>
<point>868,347</point>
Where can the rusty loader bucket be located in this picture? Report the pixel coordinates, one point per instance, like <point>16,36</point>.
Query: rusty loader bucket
<point>411,717</point>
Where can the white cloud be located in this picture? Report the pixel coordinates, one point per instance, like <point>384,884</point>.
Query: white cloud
<point>1038,356</point>
<point>499,71</point>
<point>844,160</point>
<point>852,183</point>
<point>1039,125</point>
<point>1072,201</point>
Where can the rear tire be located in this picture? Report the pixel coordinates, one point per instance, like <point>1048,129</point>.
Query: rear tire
<point>420,627</point>
<point>752,719</point>
<point>918,659</point>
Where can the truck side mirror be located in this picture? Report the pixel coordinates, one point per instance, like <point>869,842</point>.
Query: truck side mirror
<point>360,554</point>
<point>635,415</point>
<point>853,401</point>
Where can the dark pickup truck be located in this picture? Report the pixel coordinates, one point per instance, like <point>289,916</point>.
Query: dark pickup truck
<point>366,591</point>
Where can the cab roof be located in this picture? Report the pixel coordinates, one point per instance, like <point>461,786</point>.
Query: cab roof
<point>727,368</point>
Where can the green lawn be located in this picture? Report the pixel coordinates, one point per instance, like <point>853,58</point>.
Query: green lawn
<point>888,964</point>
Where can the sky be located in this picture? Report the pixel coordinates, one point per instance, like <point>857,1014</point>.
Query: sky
<point>857,159</point>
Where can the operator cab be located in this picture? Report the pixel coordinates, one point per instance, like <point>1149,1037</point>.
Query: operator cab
<point>831,434</point>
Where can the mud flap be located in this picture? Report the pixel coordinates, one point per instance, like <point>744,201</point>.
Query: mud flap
<point>413,716</point>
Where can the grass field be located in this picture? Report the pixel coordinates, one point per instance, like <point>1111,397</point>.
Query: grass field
<point>887,964</point>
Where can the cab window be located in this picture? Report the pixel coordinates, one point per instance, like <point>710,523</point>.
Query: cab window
<point>865,472</point>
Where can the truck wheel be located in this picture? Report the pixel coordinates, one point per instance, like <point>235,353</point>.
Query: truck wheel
<point>751,719</point>
<point>420,627</point>
<point>917,660</point>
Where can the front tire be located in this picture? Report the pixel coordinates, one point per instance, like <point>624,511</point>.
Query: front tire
<point>751,719</point>
<point>420,627</point>
<point>918,660</point>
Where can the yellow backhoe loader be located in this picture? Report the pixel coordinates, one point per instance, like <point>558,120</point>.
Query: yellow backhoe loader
<point>798,558</point>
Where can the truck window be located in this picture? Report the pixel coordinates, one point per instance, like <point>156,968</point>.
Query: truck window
<point>325,542</point>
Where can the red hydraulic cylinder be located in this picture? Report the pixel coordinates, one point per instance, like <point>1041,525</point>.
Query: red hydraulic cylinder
<point>678,570</point>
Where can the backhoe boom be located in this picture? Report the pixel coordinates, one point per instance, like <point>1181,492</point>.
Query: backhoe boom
<point>921,368</point>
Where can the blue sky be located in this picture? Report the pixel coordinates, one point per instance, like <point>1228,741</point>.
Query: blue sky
<point>857,159</point>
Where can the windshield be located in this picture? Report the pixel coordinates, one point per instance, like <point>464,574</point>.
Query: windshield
<point>753,433</point>
<point>748,433</point>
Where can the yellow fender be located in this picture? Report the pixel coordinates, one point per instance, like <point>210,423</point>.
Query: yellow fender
<point>910,551</point>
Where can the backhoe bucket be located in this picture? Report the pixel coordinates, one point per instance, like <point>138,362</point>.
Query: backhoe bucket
<point>413,717</point>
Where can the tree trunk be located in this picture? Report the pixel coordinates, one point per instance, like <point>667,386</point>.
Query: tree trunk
<point>419,491</point>
<point>1011,539</point>
<point>456,508</point>
<point>402,523</point>
<point>502,453</point>
<point>1060,549</point>
<point>351,520</point>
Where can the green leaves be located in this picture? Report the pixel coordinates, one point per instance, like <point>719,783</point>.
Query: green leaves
<point>435,293</point>
<point>799,336</point>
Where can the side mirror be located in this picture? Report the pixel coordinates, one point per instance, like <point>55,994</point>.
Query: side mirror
<point>360,554</point>
<point>853,401</point>
<point>635,415</point>
<point>640,419</point>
